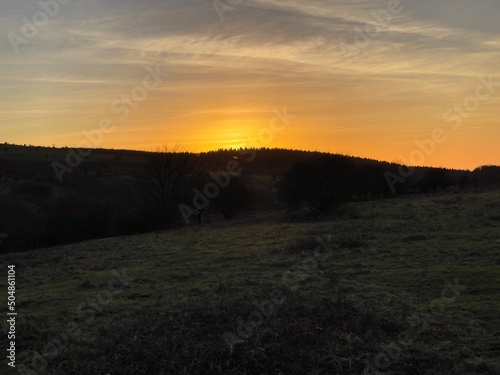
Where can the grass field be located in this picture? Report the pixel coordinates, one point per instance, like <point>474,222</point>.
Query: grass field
<point>408,285</point>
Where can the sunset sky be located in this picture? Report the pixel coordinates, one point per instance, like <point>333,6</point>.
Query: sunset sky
<point>419,65</point>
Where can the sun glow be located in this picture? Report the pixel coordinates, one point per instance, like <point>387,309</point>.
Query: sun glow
<point>235,139</point>
<point>229,134</point>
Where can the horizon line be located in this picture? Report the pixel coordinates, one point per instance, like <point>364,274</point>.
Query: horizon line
<point>222,149</point>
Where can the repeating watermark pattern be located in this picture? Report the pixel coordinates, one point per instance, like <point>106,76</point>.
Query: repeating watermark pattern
<point>31,27</point>
<point>363,37</point>
<point>418,322</point>
<point>291,279</point>
<point>222,7</point>
<point>221,180</point>
<point>122,107</point>
<point>427,147</point>
<point>201,199</point>
<point>484,90</point>
<point>267,133</point>
<point>11,315</point>
<point>86,313</point>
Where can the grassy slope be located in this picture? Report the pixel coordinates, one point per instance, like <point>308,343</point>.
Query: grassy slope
<point>397,253</point>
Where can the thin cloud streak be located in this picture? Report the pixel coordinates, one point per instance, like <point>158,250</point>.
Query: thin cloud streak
<point>266,53</point>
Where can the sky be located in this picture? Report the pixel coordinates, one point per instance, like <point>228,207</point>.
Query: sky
<point>416,82</point>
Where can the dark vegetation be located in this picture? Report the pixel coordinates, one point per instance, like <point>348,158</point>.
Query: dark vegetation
<point>113,192</point>
<point>370,302</point>
<point>197,298</point>
<point>305,337</point>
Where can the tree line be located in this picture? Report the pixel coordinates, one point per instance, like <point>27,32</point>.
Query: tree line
<point>171,187</point>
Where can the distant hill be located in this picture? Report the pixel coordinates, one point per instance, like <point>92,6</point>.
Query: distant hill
<point>51,196</point>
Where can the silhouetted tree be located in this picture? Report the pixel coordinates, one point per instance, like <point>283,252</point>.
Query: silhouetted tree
<point>75,217</point>
<point>321,183</point>
<point>234,198</point>
<point>370,180</point>
<point>463,181</point>
<point>436,178</point>
<point>166,178</point>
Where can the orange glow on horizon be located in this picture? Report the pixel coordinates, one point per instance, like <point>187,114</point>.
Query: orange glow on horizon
<point>178,76</point>
<point>368,133</point>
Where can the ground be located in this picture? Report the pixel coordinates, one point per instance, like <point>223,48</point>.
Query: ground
<point>422,272</point>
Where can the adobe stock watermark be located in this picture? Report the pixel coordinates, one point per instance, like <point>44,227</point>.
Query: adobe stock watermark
<point>267,133</point>
<point>363,37</point>
<point>222,7</point>
<point>86,313</point>
<point>221,180</point>
<point>484,91</point>
<point>291,279</point>
<point>427,147</point>
<point>31,27</point>
<point>122,107</point>
<point>419,323</point>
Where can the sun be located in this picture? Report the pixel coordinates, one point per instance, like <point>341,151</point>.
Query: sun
<point>235,141</point>
<point>236,134</point>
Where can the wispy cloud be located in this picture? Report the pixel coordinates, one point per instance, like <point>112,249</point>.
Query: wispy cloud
<point>265,53</point>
